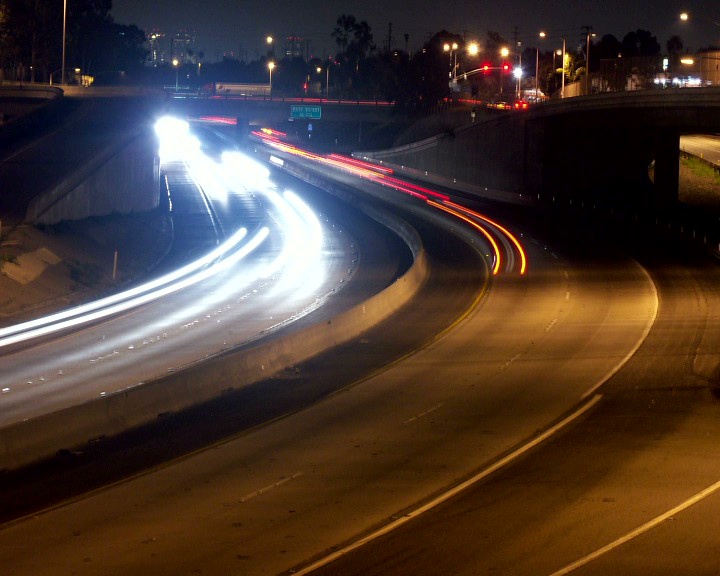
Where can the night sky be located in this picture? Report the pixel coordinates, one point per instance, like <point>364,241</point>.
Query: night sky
<point>242,25</point>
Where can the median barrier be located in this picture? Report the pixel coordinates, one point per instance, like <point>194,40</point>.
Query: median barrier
<point>76,427</point>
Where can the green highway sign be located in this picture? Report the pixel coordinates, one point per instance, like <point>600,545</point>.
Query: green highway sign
<point>303,111</point>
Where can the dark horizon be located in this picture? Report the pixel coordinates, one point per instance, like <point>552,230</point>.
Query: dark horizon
<point>223,26</point>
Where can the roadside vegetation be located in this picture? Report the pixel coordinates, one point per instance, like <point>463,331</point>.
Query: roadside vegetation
<point>699,184</point>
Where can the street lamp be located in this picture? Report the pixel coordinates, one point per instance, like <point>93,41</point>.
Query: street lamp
<point>562,84</point>
<point>271,49</point>
<point>271,67</point>
<point>504,53</point>
<point>452,48</point>
<point>587,61</point>
<point>685,16</point>
<point>62,78</point>
<point>518,71</point>
<point>176,65</point>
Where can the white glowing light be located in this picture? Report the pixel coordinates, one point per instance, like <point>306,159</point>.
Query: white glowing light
<point>300,255</point>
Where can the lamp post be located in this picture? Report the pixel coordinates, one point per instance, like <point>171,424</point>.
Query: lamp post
<point>176,65</point>
<point>587,61</point>
<point>537,65</point>
<point>271,67</point>
<point>562,84</point>
<point>518,73</point>
<point>504,53</point>
<point>452,48</point>
<point>537,72</point>
<point>62,78</point>
<point>562,64</point>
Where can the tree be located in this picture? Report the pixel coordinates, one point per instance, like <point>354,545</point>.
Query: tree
<point>355,44</point>
<point>639,43</point>
<point>674,45</point>
<point>26,43</point>
<point>607,47</point>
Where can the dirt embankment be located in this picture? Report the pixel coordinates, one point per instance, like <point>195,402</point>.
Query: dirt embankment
<point>51,268</point>
<point>699,187</point>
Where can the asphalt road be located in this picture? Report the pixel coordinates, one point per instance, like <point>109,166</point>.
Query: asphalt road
<point>630,489</point>
<point>706,147</point>
<point>415,414</point>
<point>519,353</point>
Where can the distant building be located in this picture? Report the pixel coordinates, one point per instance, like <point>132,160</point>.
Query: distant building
<point>707,67</point>
<point>157,48</point>
<point>183,46</point>
<point>294,47</point>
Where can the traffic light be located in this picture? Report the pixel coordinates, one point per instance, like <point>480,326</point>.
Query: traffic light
<point>486,68</point>
<point>506,67</point>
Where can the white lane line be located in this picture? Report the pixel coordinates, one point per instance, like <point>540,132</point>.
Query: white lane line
<point>452,492</point>
<point>646,331</point>
<point>638,531</point>
<point>423,414</point>
<point>262,491</point>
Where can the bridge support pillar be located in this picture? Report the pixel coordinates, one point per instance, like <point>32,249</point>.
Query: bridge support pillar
<point>667,169</point>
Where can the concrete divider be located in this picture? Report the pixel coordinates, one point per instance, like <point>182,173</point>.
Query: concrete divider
<point>73,428</point>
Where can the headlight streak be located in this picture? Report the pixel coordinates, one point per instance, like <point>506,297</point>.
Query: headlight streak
<point>232,259</point>
<point>230,244</point>
<point>505,231</point>
<point>383,176</point>
<point>300,264</point>
<point>307,267</point>
<point>474,224</point>
<point>175,142</point>
<point>239,168</point>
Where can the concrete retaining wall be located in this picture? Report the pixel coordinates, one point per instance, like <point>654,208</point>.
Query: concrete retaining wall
<point>30,441</point>
<point>120,179</point>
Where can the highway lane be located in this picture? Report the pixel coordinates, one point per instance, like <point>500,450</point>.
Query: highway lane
<point>518,355</point>
<point>266,291</point>
<point>630,489</point>
<point>705,146</point>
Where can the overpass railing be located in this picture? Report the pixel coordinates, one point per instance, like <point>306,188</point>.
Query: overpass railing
<point>280,98</point>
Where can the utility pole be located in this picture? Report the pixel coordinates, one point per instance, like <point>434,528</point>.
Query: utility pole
<point>587,29</point>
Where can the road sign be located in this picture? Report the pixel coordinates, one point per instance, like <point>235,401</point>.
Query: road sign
<point>298,111</point>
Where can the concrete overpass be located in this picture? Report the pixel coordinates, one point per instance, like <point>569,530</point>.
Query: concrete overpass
<point>338,118</point>
<point>598,147</point>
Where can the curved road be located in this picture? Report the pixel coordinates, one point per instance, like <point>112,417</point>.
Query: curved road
<point>704,146</point>
<point>519,353</point>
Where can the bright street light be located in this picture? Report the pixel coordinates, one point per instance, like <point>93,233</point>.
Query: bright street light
<point>685,16</point>
<point>473,48</point>
<point>271,67</point>
<point>176,64</point>
<point>562,85</point>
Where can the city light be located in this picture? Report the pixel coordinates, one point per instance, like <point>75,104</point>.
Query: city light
<point>271,67</point>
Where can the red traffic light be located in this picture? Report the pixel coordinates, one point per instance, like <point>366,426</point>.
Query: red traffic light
<point>506,67</point>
